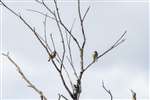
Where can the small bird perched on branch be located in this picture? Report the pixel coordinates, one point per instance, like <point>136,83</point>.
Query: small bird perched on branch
<point>52,55</point>
<point>95,55</point>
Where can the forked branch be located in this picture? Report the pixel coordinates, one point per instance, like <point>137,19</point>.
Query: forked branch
<point>108,91</point>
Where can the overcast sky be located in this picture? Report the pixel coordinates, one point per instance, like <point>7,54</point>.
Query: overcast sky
<point>124,68</point>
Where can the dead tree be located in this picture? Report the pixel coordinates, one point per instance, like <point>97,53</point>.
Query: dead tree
<point>54,56</point>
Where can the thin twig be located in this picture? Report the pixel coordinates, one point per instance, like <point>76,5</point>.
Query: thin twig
<point>69,78</point>
<point>43,3</point>
<point>108,91</point>
<point>61,96</point>
<point>65,85</point>
<point>31,10</point>
<point>86,13</point>
<point>133,95</point>
<point>72,25</point>
<point>74,70</point>
<point>69,48</point>
<point>53,43</point>
<point>51,36</point>
<point>45,33</point>
<point>70,55</point>
<point>62,40</point>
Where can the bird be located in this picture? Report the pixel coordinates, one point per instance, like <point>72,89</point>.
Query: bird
<point>95,55</point>
<point>52,55</point>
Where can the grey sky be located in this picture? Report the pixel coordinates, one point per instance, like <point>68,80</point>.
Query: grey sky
<point>123,68</point>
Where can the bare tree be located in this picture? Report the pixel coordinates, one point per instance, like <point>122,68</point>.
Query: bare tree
<point>55,57</point>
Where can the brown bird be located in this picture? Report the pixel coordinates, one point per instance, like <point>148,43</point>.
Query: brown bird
<point>52,55</point>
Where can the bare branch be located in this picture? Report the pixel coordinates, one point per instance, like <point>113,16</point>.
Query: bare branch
<point>76,41</point>
<point>81,22</point>
<point>70,56</point>
<point>61,96</point>
<point>72,25</point>
<point>69,78</point>
<point>117,43</point>
<point>51,36</point>
<point>133,95</point>
<point>43,3</point>
<point>74,70</point>
<point>69,48</point>
<point>45,33</point>
<point>83,44</point>
<point>120,39</point>
<point>62,40</point>
<point>86,13</point>
<point>31,10</point>
<point>63,80</point>
<point>53,43</point>
<point>38,1</point>
<point>9,8</point>
<point>108,91</point>
<point>30,84</point>
<point>65,85</point>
